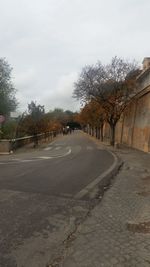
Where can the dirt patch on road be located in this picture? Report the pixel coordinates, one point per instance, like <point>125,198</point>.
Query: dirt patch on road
<point>146,178</point>
<point>144,193</point>
<point>142,227</point>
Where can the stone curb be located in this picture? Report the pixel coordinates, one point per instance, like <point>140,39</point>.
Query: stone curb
<point>103,180</point>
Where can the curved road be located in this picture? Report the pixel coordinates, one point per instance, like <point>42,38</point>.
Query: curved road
<point>65,167</point>
<point>38,205</point>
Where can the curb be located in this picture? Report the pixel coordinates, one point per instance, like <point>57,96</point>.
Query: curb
<point>103,180</point>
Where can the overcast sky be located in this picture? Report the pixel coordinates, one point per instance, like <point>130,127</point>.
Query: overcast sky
<point>47,42</point>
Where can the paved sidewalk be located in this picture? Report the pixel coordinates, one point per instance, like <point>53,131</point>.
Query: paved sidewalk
<point>117,233</point>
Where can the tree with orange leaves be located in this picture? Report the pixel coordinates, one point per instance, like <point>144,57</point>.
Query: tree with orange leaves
<point>93,115</point>
<point>112,86</point>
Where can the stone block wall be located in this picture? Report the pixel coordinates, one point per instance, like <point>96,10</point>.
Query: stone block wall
<point>5,146</point>
<point>133,129</point>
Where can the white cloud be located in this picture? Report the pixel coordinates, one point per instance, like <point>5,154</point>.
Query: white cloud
<point>62,95</point>
<point>48,42</point>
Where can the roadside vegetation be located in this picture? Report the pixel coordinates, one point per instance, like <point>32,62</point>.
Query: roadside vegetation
<point>34,120</point>
<point>105,92</point>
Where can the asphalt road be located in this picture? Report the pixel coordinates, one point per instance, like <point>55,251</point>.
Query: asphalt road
<point>39,203</point>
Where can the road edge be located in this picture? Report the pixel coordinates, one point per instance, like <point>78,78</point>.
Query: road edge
<point>103,180</point>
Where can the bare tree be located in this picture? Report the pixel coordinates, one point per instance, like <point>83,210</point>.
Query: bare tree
<point>112,86</point>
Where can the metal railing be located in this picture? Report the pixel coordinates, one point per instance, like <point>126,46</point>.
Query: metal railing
<point>12,144</point>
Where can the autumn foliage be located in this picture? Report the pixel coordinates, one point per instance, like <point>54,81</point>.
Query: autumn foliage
<point>92,117</point>
<point>111,86</point>
<point>36,121</point>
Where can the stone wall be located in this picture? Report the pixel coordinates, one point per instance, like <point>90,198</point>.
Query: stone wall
<point>5,146</point>
<point>133,129</point>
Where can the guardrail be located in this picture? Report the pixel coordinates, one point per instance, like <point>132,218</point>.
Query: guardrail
<point>7,146</point>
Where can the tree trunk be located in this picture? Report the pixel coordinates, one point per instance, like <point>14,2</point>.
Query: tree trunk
<point>112,134</point>
<point>98,133</point>
<point>101,132</point>
<point>35,140</point>
<point>92,131</point>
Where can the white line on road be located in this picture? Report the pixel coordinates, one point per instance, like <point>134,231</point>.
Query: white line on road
<point>43,157</point>
<point>58,147</point>
<point>48,148</point>
<point>24,160</point>
<point>14,161</point>
<point>63,155</point>
<point>89,148</point>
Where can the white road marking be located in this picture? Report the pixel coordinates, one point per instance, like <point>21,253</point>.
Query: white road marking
<point>16,161</point>
<point>62,155</point>
<point>54,142</point>
<point>21,174</point>
<point>24,173</point>
<point>48,148</point>
<point>25,160</point>
<point>89,148</point>
<point>58,147</point>
<point>62,143</point>
<point>43,158</point>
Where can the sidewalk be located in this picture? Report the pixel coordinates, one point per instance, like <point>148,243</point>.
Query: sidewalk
<point>117,233</point>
